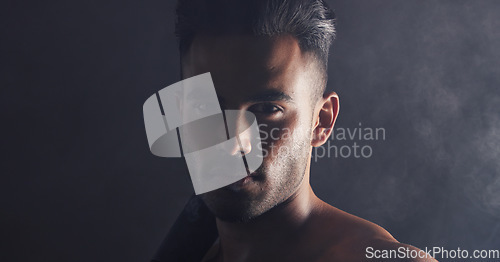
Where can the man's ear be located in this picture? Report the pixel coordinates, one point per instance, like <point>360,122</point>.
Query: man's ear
<point>328,112</point>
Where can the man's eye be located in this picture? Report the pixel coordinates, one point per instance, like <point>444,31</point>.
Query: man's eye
<point>265,108</point>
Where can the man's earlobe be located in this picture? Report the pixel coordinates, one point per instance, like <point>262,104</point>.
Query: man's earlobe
<point>326,118</point>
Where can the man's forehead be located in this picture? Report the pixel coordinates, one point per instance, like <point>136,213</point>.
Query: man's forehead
<point>252,63</point>
<point>241,54</point>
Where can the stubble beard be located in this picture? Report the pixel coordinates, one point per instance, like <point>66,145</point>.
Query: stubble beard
<point>278,181</point>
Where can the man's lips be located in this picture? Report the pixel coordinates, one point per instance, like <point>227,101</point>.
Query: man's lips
<point>240,184</point>
<point>244,182</point>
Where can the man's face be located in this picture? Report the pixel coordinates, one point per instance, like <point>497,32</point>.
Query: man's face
<point>273,79</point>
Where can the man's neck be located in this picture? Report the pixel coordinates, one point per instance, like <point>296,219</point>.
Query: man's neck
<point>271,230</point>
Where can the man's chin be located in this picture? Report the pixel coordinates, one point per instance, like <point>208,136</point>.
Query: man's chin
<point>231,205</point>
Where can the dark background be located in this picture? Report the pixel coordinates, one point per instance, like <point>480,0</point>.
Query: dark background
<point>78,182</point>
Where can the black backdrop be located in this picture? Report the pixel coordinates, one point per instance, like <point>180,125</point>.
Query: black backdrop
<point>78,182</point>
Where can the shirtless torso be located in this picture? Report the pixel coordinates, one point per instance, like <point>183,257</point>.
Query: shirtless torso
<point>318,232</point>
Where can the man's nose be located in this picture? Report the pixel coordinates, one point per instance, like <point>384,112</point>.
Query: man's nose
<point>238,123</point>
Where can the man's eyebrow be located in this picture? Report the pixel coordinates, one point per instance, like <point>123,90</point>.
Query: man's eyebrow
<point>271,96</point>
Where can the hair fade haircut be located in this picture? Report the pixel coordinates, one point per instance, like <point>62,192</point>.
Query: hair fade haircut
<point>311,22</point>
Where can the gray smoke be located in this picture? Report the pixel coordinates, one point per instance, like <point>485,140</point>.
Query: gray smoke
<point>429,73</point>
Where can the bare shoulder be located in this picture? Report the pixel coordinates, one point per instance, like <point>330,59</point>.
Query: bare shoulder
<point>357,239</point>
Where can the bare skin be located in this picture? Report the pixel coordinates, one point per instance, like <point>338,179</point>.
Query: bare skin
<point>314,231</point>
<point>282,218</point>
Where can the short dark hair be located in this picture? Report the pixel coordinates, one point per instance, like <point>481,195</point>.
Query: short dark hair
<point>311,22</point>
